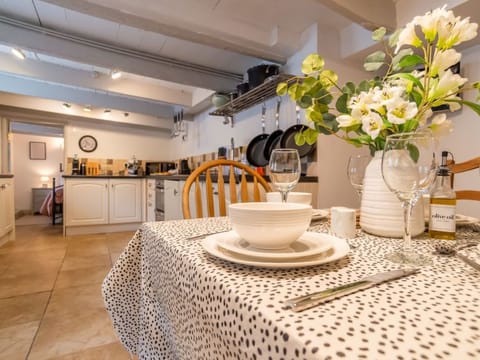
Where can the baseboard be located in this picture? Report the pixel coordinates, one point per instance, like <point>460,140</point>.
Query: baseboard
<point>99,229</point>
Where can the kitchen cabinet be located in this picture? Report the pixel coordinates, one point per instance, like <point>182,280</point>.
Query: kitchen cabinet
<point>173,199</point>
<point>103,201</point>
<point>7,207</point>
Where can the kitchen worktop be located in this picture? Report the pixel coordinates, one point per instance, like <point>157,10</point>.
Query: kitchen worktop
<point>303,179</point>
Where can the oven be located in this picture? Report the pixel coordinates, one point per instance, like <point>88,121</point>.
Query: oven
<point>159,200</point>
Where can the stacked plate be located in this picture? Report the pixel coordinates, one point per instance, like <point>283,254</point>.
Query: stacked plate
<point>310,249</point>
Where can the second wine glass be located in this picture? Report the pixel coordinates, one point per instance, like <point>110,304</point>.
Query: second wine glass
<point>357,164</point>
<point>285,170</point>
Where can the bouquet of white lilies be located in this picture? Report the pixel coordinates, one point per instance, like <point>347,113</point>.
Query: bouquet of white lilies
<point>417,66</point>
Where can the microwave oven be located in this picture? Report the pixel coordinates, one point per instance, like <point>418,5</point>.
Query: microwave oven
<point>155,167</point>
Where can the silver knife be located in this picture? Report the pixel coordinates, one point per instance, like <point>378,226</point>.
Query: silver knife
<point>307,301</point>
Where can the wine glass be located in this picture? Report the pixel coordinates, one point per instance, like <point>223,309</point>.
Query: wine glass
<point>285,170</point>
<point>408,169</point>
<point>356,170</point>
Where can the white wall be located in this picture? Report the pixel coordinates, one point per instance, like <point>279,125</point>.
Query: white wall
<point>116,142</point>
<point>28,172</point>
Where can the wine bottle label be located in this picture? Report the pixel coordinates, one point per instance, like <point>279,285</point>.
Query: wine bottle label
<point>442,217</point>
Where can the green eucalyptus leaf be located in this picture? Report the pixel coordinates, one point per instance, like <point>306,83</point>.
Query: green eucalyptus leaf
<point>341,104</point>
<point>305,101</point>
<point>313,115</point>
<point>411,60</point>
<point>408,77</point>
<point>349,88</point>
<point>379,33</point>
<point>299,138</point>
<point>374,61</point>
<point>312,63</point>
<point>328,78</point>
<point>309,81</point>
<point>282,88</point>
<point>393,39</point>
<point>310,136</point>
<point>413,151</point>
<point>399,56</point>
<point>364,86</point>
<point>295,92</point>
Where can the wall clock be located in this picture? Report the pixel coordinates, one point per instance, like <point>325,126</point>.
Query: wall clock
<point>87,143</point>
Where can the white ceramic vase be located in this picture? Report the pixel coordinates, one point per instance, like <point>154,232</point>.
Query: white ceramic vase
<point>381,212</point>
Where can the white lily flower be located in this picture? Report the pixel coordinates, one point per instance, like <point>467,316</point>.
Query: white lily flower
<point>372,124</point>
<point>444,60</point>
<point>346,121</point>
<point>408,36</point>
<point>427,114</point>
<point>441,126</point>
<point>400,111</point>
<point>454,31</point>
<point>448,83</point>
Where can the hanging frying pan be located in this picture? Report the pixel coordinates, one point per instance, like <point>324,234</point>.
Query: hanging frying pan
<point>288,138</point>
<point>255,147</point>
<point>274,138</point>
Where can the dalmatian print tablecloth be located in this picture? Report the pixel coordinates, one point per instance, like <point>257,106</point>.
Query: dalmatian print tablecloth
<point>169,299</point>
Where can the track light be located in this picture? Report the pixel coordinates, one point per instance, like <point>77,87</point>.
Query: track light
<point>87,108</point>
<point>66,105</point>
<point>106,111</point>
<point>116,74</point>
<point>18,53</point>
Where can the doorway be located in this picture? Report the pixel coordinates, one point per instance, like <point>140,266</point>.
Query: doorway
<point>37,157</point>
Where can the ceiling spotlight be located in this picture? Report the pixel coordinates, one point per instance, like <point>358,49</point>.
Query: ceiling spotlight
<point>18,53</point>
<point>116,74</point>
<point>87,108</point>
<point>66,105</point>
<point>106,111</point>
<point>126,114</point>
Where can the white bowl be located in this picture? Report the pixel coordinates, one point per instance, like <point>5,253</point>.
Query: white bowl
<point>270,225</point>
<point>293,197</point>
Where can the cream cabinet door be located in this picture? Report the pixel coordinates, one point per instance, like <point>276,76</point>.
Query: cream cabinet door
<point>7,207</point>
<point>86,202</point>
<point>126,200</point>
<point>173,199</point>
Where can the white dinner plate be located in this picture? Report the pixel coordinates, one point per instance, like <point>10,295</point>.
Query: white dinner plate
<point>339,249</point>
<point>319,214</point>
<point>310,243</point>
<point>465,220</point>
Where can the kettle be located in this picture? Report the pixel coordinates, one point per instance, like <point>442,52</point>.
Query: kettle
<point>184,169</point>
<point>133,166</point>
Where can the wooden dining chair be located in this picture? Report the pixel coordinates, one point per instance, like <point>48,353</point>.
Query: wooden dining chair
<point>236,184</point>
<point>457,168</point>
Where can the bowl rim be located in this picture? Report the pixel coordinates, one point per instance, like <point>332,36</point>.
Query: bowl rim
<point>274,206</point>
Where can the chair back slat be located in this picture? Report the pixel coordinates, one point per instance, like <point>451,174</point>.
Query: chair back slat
<point>256,190</point>
<point>209,190</point>
<point>232,185</point>
<point>222,207</point>
<point>468,195</point>
<point>198,198</point>
<point>235,183</point>
<point>244,187</point>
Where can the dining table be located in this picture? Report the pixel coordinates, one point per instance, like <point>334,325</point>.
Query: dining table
<point>170,298</point>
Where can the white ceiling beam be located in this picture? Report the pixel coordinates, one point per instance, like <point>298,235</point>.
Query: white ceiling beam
<point>195,25</point>
<point>38,39</point>
<point>370,14</point>
<point>61,93</point>
<point>63,75</point>
<point>16,106</point>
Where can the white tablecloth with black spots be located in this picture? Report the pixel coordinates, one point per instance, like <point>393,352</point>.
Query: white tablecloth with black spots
<point>168,299</point>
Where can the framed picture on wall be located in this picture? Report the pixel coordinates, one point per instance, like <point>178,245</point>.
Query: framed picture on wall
<point>38,150</point>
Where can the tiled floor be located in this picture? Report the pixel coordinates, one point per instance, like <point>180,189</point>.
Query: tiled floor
<point>51,305</point>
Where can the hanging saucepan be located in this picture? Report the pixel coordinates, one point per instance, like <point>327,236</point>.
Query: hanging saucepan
<point>255,147</point>
<point>288,138</point>
<point>273,140</point>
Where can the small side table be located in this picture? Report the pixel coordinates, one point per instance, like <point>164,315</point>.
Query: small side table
<point>38,196</point>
